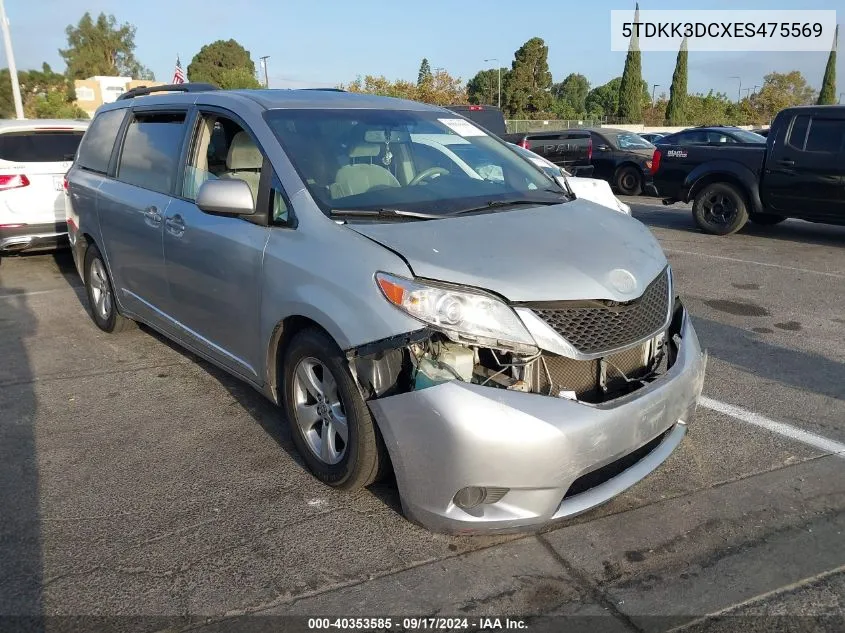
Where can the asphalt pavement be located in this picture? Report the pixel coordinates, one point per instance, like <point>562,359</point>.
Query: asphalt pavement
<point>137,481</point>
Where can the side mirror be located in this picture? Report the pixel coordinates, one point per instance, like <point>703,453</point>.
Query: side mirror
<point>229,197</point>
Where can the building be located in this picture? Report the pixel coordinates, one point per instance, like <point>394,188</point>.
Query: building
<point>93,92</point>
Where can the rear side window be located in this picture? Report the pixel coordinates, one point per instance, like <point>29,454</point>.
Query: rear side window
<point>826,135</point>
<point>799,131</point>
<point>151,150</point>
<point>39,146</point>
<point>95,150</point>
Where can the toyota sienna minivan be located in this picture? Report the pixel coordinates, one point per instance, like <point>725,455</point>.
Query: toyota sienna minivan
<point>513,355</point>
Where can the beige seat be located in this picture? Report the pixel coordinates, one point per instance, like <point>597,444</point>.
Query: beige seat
<point>361,177</point>
<point>244,162</point>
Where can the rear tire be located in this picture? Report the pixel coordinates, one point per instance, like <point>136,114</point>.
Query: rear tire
<point>766,219</point>
<point>628,181</point>
<point>330,423</point>
<point>720,209</point>
<point>98,287</point>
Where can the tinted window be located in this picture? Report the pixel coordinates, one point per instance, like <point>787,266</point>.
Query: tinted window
<point>826,135</point>
<point>719,137</point>
<point>632,141</point>
<point>95,150</point>
<point>799,131</point>
<point>692,138</point>
<point>151,151</point>
<point>39,147</point>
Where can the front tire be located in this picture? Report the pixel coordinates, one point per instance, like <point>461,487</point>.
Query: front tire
<point>330,423</point>
<point>720,209</point>
<point>766,219</point>
<point>100,293</point>
<point>628,181</point>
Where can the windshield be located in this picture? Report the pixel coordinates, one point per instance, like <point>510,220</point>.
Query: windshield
<point>429,162</point>
<point>632,141</point>
<point>744,136</point>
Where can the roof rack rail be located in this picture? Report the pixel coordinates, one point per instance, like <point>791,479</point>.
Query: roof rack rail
<point>140,91</point>
<point>325,89</point>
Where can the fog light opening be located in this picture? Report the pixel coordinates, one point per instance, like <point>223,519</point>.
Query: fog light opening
<point>474,496</point>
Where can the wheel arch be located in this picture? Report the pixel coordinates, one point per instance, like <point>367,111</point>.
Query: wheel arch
<point>742,179</point>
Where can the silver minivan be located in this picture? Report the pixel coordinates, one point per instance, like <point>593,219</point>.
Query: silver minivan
<point>513,355</point>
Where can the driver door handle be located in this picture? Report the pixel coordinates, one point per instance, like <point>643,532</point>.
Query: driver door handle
<point>175,225</point>
<point>786,162</point>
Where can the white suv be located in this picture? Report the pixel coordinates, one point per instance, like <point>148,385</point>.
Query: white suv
<point>34,158</point>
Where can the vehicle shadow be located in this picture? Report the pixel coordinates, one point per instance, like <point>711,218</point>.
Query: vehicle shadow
<point>789,231</point>
<point>21,556</point>
<point>67,269</point>
<point>803,370</point>
<point>270,417</point>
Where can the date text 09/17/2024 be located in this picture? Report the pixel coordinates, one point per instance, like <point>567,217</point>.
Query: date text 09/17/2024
<point>480,624</point>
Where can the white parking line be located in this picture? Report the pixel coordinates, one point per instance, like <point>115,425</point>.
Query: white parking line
<point>781,428</point>
<point>751,261</point>
<point>9,295</point>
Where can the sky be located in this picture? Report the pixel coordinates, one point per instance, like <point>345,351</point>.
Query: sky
<point>323,42</point>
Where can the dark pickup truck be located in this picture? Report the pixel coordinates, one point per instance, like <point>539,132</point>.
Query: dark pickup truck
<point>798,173</point>
<point>570,149</point>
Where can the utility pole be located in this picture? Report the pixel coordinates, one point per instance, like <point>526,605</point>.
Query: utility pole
<point>493,59</point>
<point>652,94</point>
<point>264,65</point>
<point>840,96</point>
<point>10,59</point>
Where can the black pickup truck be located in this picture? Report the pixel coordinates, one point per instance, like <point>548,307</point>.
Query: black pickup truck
<point>798,173</point>
<point>570,149</point>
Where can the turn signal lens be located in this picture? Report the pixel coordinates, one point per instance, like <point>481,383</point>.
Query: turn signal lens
<point>394,292</point>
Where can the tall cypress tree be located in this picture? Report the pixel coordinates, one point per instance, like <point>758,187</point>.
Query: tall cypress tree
<point>827,95</point>
<point>675,109</point>
<point>631,86</point>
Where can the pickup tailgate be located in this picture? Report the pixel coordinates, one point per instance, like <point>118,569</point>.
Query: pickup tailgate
<point>566,149</point>
<point>676,168</point>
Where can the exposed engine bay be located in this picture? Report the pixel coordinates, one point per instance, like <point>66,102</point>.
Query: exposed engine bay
<point>428,357</point>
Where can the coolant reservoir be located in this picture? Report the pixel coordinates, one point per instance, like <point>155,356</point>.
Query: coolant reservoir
<point>454,362</point>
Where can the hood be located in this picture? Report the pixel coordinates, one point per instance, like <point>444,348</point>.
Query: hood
<point>576,250</point>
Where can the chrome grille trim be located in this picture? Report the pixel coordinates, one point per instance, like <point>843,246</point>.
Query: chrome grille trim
<point>597,328</point>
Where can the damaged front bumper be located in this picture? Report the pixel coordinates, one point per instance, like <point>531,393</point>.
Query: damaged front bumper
<point>531,458</point>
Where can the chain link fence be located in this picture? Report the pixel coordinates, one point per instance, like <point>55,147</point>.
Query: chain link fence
<point>541,125</point>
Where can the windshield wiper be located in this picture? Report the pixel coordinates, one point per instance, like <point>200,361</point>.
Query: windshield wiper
<point>384,213</point>
<point>499,204</point>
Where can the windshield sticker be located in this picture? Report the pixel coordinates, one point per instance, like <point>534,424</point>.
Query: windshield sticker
<point>462,128</point>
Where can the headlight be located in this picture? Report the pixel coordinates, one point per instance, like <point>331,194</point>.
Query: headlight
<point>463,315</point>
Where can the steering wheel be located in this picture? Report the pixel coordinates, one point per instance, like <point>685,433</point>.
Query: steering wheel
<point>431,172</point>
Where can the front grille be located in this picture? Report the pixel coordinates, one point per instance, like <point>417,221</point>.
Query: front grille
<point>593,327</point>
<point>553,374</point>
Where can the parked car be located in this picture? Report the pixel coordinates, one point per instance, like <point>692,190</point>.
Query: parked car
<point>623,159</point>
<point>800,174</point>
<point>653,137</point>
<point>591,189</point>
<point>571,149</point>
<point>34,156</point>
<point>718,135</point>
<point>516,355</point>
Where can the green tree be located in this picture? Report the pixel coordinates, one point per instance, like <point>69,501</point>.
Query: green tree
<point>224,63</point>
<point>604,100</point>
<point>484,86</point>
<point>102,47</point>
<point>782,90</point>
<point>424,75</point>
<point>630,101</point>
<point>572,92</point>
<point>442,90</point>
<point>530,80</point>
<point>827,95</point>
<point>678,90</point>
<point>45,95</point>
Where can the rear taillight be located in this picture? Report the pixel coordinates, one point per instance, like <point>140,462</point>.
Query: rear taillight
<point>64,184</point>
<point>589,150</point>
<point>475,108</point>
<point>13,181</point>
<point>524,144</point>
<point>655,162</point>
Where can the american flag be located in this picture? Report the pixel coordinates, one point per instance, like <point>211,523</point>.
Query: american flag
<point>178,75</point>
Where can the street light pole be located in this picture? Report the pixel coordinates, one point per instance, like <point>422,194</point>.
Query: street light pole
<point>739,90</point>
<point>652,94</point>
<point>10,59</point>
<point>494,59</point>
<point>840,96</point>
<point>264,64</point>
